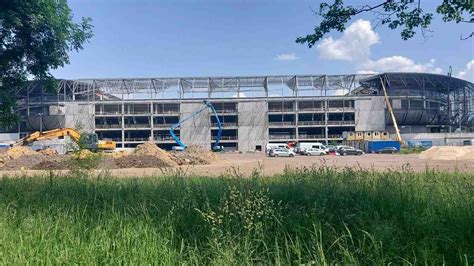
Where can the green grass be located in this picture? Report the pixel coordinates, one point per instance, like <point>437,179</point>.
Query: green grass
<point>306,216</point>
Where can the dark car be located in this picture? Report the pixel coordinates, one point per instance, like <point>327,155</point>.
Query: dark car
<point>389,150</point>
<point>349,151</point>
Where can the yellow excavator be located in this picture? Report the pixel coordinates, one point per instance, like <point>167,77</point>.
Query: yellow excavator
<point>91,140</point>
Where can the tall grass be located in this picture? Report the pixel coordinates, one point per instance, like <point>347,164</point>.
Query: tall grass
<point>303,216</point>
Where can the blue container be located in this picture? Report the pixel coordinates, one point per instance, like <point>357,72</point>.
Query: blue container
<point>4,145</point>
<point>426,144</point>
<point>373,146</point>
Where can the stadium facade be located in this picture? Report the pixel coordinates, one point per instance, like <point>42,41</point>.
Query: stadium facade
<point>254,110</point>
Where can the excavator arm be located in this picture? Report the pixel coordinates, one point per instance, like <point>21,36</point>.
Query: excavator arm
<point>50,134</point>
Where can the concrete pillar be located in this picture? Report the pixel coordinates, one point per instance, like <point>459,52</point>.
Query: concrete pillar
<point>253,125</point>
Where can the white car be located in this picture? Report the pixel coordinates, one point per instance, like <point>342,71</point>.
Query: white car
<point>281,152</point>
<point>314,151</point>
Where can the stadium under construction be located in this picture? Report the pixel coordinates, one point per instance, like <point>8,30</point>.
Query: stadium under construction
<point>254,110</point>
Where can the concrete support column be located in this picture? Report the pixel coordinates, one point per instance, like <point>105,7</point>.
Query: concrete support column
<point>326,129</point>
<point>296,120</point>
<point>151,122</point>
<point>123,124</point>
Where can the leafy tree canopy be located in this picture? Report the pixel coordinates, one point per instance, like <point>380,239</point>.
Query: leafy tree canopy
<point>35,37</point>
<point>405,14</point>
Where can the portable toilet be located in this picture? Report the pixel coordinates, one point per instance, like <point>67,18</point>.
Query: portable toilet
<point>385,135</point>
<point>368,135</point>
<point>359,135</point>
<point>376,135</point>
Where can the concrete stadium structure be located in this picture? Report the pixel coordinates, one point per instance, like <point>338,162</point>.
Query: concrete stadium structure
<point>254,110</point>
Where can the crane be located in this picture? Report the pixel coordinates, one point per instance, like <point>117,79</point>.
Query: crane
<point>390,110</point>
<point>183,146</point>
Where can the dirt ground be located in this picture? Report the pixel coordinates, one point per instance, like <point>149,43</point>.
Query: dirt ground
<point>245,164</point>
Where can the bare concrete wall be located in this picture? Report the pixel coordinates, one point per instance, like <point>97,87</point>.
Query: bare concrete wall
<point>253,124</point>
<point>197,130</point>
<point>370,114</point>
<point>80,115</point>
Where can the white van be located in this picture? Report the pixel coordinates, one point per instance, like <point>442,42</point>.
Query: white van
<point>271,146</point>
<point>302,146</point>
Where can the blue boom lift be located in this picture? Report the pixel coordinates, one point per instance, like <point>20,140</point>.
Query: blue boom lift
<point>183,146</point>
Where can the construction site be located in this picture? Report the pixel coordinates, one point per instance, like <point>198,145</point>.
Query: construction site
<point>239,114</point>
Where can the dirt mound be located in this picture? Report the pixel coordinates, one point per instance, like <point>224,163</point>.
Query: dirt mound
<point>142,161</point>
<point>150,149</point>
<point>194,155</point>
<point>14,153</point>
<point>51,165</point>
<point>49,152</point>
<point>24,162</point>
<point>448,153</point>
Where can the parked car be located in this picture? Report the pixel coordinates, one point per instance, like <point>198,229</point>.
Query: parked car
<point>331,150</point>
<point>346,150</point>
<point>281,152</point>
<point>389,150</point>
<point>314,151</point>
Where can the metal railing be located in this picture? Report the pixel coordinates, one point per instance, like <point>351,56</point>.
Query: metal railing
<point>108,126</point>
<point>347,122</point>
<point>303,123</point>
<point>137,112</point>
<point>225,137</point>
<point>340,109</point>
<point>118,113</point>
<point>225,124</point>
<point>283,123</point>
<point>162,125</point>
<point>164,138</point>
<point>277,110</point>
<point>137,125</point>
<point>311,136</point>
<point>303,109</point>
<point>165,112</point>
<point>281,136</point>
<point>226,111</point>
<point>137,139</point>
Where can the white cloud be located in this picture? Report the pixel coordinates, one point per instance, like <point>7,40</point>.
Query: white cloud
<point>398,64</point>
<point>468,72</point>
<point>286,57</point>
<point>353,45</point>
<point>367,72</point>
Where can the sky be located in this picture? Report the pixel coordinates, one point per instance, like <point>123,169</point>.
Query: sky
<point>184,38</point>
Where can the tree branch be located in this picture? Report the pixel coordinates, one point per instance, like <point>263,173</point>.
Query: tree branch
<point>470,36</point>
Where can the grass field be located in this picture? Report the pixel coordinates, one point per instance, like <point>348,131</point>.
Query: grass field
<point>310,216</point>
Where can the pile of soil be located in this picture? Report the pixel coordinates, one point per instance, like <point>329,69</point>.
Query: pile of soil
<point>142,161</point>
<point>194,155</point>
<point>448,153</point>
<point>24,162</point>
<point>20,152</point>
<point>146,155</point>
<point>49,152</point>
<point>51,165</point>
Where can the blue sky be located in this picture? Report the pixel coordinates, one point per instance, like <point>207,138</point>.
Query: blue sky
<point>218,38</point>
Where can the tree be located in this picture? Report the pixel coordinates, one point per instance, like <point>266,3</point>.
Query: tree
<point>405,14</point>
<point>35,37</point>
